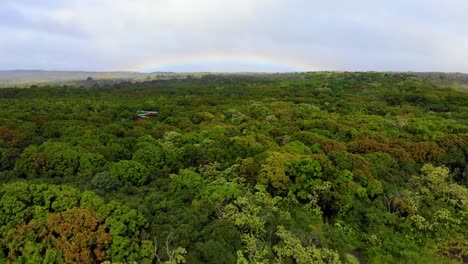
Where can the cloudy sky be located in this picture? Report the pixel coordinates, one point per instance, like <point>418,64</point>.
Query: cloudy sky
<point>234,35</point>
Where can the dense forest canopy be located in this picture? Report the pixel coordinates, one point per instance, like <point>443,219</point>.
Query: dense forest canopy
<point>297,168</point>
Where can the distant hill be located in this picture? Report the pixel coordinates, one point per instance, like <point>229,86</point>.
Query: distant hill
<point>28,77</point>
<point>33,75</point>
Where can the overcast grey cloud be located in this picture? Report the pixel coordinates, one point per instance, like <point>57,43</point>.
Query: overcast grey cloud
<point>218,35</point>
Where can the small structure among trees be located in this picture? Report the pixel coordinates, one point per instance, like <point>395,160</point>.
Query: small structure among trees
<point>146,114</point>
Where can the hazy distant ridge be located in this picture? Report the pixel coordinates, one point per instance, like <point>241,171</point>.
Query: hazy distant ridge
<point>25,78</point>
<point>62,76</point>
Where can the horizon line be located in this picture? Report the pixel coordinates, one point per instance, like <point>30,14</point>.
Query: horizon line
<point>223,72</point>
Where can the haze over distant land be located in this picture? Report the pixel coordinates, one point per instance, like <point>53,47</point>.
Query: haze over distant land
<point>243,35</point>
<point>32,75</point>
<point>32,78</point>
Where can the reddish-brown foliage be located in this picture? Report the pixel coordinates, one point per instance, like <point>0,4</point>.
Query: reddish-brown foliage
<point>425,152</point>
<point>140,122</point>
<point>8,136</point>
<point>330,145</point>
<point>367,146</point>
<point>80,235</point>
